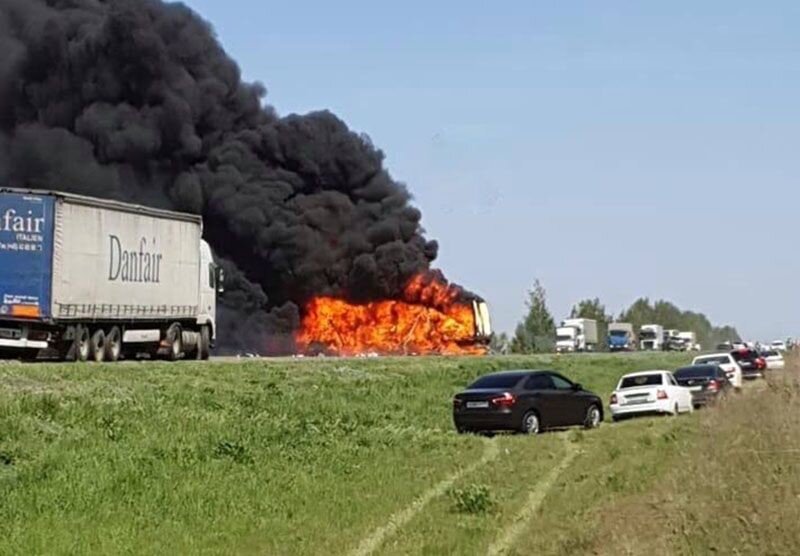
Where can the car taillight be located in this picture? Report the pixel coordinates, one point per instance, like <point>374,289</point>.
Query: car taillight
<point>662,395</point>
<point>761,363</point>
<point>506,400</point>
<point>713,385</point>
<point>457,403</point>
<point>613,399</point>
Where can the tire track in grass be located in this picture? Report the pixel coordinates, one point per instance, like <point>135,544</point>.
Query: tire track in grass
<point>373,542</point>
<point>534,502</point>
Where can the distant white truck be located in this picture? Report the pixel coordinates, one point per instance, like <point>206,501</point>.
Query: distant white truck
<point>651,337</point>
<point>689,341</point>
<point>576,335</point>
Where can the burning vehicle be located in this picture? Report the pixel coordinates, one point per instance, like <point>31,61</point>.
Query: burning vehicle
<point>432,318</point>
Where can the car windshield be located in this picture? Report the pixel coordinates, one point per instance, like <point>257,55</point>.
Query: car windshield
<point>496,381</point>
<point>698,371</point>
<point>718,360</point>
<point>619,333</point>
<point>647,335</point>
<point>641,380</point>
<point>563,338</point>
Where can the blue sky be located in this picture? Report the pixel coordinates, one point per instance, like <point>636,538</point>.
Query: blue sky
<point>611,149</point>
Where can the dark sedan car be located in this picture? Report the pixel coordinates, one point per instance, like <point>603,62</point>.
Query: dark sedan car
<point>707,382</point>
<point>525,401</point>
<point>751,362</point>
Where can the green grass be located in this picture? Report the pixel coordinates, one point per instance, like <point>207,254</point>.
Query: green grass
<point>300,457</point>
<point>736,489</point>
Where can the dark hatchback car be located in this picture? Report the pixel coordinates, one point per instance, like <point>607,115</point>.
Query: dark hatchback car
<point>708,383</point>
<point>525,401</point>
<point>751,362</point>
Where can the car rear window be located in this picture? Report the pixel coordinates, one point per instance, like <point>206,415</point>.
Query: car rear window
<point>495,381</point>
<point>641,380</point>
<point>698,371</point>
<point>719,360</point>
<point>771,354</point>
<point>744,355</point>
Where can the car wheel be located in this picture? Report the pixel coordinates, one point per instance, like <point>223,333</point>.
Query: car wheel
<point>462,430</point>
<point>593,417</point>
<point>530,423</point>
<point>676,411</point>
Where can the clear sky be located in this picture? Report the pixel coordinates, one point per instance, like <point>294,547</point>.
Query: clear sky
<point>612,149</point>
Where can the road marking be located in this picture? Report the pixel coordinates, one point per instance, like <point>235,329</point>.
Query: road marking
<point>374,541</point>
<point>535,499</point>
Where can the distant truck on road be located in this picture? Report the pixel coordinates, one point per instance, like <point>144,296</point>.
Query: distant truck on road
<point>673,341</point>
<point>651,337</point>
<point>689,340</point>
<point>621,337</point>
<point>576,335</point>
<point>86,278</point>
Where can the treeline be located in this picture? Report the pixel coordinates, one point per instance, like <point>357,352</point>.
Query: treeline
<point>536,332</point>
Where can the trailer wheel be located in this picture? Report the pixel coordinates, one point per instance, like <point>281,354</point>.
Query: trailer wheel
<point>79,350</point>
<point>113,344</point>
<point>175,342</point>
<point>204,344</point>
<point>97,346</point>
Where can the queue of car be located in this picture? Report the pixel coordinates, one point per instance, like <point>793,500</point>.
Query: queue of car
<point>531,401</point>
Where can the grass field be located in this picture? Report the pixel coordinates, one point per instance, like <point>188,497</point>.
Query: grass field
<point>316,457</point>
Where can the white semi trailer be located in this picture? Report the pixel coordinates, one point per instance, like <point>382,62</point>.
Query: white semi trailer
<point>87,278</point>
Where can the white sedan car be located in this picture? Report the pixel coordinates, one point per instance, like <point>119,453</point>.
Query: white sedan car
<point>778,345</point>
<point>650,392</point>
<point>774,359</point>
<point>727,363</point>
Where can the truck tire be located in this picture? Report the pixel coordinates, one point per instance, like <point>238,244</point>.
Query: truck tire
<point>97,346</point>
<point>204,344</point>
<point>175,342</point>
<point>113,344</point>
<point>79,350</point>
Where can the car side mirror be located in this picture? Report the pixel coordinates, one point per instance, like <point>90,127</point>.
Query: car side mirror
<point>220,280</point>
<point>577,387</point>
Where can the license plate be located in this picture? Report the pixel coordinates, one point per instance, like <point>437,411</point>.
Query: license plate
<point>696,388</point>
<point>477,405</point>
<point>636,401</point>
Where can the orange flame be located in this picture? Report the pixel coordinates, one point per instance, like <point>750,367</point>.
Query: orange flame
<point>430,320</point>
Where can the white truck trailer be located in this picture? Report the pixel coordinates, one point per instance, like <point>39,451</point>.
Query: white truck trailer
<point>651,337</point>
<point>87,278</point>
<point>576,335</point>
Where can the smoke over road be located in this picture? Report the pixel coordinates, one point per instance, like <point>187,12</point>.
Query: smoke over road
<point>136,100</point>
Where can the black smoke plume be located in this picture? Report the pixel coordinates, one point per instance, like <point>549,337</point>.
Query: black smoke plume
<point>136,100</point>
